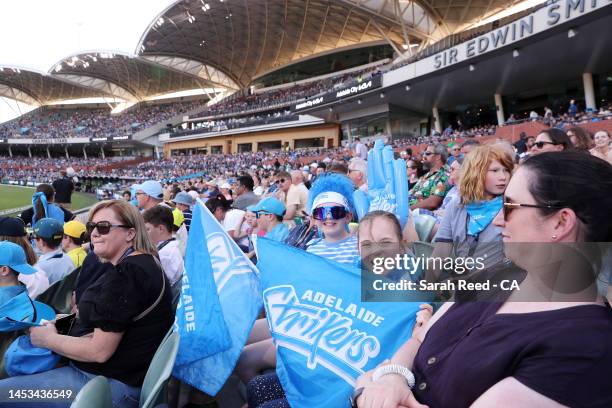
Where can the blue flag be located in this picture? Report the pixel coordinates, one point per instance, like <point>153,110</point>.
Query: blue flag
<point>237,284</point>
<point>325,336</point>
<point>199,318</point>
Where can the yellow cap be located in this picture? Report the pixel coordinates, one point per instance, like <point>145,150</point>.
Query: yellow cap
<point>74,229</point>
<point>178,216</point>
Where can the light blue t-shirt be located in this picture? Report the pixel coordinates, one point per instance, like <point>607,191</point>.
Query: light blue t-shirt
<point>345,251</point>
<point>56,265</point>
<point>9,292</point>
<point>278,233</point>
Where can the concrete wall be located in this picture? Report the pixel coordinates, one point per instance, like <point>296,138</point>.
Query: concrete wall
<point>229,143</point>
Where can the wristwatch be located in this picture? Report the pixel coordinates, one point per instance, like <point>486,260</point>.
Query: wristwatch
<point>356,394</point>
<point>394,369</point>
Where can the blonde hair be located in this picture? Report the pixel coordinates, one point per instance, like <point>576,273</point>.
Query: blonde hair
<point>475,168</point>
<point>23,243</point>
<point>129,215</point>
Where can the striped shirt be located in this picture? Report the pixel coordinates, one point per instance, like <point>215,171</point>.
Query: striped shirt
<point>187,214</point>
<point>345,251</point>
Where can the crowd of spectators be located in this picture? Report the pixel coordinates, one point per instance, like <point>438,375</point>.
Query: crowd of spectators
<point>483,200</point>
<point>220,125</point>
<point>52,123</point>
<point>285,96</point>
<point>43,170</point>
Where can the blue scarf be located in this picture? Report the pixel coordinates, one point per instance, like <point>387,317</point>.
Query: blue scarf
<point>481,214</point>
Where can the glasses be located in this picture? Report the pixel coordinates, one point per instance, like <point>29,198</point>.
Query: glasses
<point>258,214</point>
<point>337,213</point>
<point>281,180</point>
<point>509,207</point>
<point>103,227</point>
<point>540,145</point>
<point>428,153</point>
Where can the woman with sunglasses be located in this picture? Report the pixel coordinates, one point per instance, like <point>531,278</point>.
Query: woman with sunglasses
<point>551,140</point>
<point>531,348</point>
<point>467,224</point>
<point>122,316</point>
<point>415,171</point>
<point>331,204</point>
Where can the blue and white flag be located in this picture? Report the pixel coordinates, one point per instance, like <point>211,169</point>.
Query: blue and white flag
<point>199,317</point>
<point>325,336</point>
<point>237,285</point>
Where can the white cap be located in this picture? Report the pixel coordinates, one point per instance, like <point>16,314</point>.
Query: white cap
<point>315,165</point>
<point>194,194</point>
<point>330,197</point>
<point>225,185</point>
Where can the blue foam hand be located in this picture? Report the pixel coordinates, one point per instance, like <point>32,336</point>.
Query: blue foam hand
<point>362,203</point>
<point>376,173</point>
<point>387,182</point>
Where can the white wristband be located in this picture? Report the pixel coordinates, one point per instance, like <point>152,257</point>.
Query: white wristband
<point>394,369</point>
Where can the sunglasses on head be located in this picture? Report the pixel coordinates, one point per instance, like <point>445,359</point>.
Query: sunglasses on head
<point>103,227</point>
<point>540,145</point>
<point>336,212</point>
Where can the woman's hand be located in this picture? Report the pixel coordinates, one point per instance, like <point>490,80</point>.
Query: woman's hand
<point>422,317</point>
<point>39,335</point>
<point>390,391</point>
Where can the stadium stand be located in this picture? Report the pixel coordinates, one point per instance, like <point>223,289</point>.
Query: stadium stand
<point>476,148</point>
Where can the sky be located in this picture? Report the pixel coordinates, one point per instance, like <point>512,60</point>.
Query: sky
<point>35,34</point>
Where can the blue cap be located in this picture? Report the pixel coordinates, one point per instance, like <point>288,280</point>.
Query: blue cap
<point>183,198</point>
<point>13,256</point>
<point>23,358</point>
<point>151,188</point>
<point>269,205</point>
<point>21,312</point>
<point>49,228</point>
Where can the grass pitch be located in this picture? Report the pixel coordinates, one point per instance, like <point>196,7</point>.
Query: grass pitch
<point>16,196</point>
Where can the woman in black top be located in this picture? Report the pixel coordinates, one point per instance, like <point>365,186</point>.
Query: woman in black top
<point>549,342</point>
<point>122,317</point>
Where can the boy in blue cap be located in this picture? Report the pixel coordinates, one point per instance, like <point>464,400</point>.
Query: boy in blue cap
<point>270,212</point>
<point>48,234</point>
<point>17,313</point>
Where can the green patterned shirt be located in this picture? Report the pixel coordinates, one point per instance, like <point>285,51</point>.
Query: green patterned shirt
<point>435,183</point>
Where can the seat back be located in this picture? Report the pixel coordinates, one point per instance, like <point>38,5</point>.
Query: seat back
<point>59,295</point>
<point>424,225</point>
<point>95,394</point>
<point>159,372</point>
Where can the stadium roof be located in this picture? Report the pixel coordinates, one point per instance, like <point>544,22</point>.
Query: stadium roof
<point>203,44</point>
<point>246,39</point>
<point>36,88</point>
<point>125,76</point>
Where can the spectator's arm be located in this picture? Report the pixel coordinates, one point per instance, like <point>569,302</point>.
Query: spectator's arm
<point>94,348</point>
<point>432,202</point>
<point>291,211</point>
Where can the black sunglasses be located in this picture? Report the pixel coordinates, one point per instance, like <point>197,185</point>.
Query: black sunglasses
<point>103,227</point>
<point>337,212</point>
<point>428,153</point>
<point>540,145</point>
<point>509,207</point>
<point>258,214</point>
